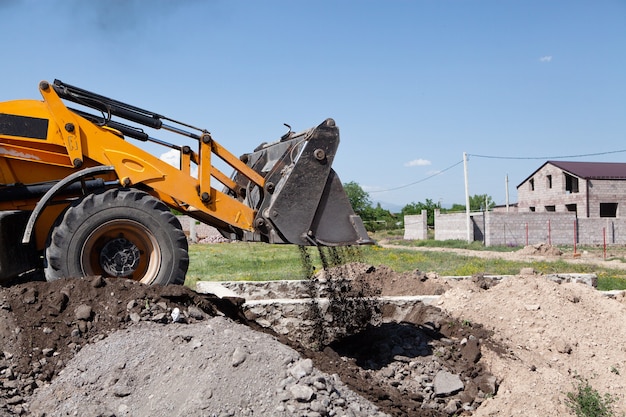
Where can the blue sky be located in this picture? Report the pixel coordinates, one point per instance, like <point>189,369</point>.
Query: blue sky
<point>411,84</point>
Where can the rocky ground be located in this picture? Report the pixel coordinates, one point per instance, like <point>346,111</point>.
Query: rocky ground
<point>99,347</point>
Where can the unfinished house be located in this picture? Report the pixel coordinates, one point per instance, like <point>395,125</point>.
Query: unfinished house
<point>588,189</point>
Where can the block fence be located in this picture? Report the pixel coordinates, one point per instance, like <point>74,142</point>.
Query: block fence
<point>416,226</point>
<point>520,229</point>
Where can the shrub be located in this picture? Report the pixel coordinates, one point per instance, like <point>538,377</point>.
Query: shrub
<point>587,401</point>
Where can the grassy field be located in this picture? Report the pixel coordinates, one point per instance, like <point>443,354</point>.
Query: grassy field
<point>260,262</point>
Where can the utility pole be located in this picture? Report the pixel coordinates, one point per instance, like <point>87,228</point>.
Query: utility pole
<point>467,199</point>
<point>506,185</point>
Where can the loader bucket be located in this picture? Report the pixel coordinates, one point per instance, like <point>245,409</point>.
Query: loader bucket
<point>303,202</point>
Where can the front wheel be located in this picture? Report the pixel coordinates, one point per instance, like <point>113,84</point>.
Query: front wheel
<point>121,233</point>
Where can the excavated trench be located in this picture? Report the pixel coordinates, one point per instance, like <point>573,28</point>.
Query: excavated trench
<point>400,352</point>
<point>380,331</point>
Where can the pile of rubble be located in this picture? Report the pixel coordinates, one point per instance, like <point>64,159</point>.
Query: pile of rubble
<point>540,249</point>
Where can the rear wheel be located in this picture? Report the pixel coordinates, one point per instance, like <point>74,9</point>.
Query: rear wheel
<point>122,233</point>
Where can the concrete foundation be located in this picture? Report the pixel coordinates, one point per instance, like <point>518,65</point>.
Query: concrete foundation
<point>314,314</point>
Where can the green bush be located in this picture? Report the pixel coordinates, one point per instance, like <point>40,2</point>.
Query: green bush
<point>587,402</point>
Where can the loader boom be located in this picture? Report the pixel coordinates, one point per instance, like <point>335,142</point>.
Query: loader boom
<point>57,162</point>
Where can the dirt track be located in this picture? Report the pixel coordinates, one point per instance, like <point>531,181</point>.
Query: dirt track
<point>544,334</point>
<point>539,252</point>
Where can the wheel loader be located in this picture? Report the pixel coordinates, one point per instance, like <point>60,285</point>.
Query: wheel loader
<point>80,197</point>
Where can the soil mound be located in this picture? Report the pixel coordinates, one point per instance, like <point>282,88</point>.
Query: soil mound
<point>382,280</point>
<point>42,325</point>
<point>552,333</point>
<point>540,249</point>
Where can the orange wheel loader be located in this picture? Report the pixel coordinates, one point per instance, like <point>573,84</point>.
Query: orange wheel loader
<point>79,197</point>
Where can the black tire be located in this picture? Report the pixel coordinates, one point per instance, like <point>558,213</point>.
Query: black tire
<point>123,233</point>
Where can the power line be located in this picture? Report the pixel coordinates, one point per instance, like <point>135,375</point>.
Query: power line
<point>417,182</point>
<point>497,157</point>
<point>546,157</point>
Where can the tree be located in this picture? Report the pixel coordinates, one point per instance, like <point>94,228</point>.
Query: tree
<point>374,218</point>
<point>477,203</point>
<point>455,207</point>
<point>416,208</point>
<point>481,202</point>
<point>359,199</point>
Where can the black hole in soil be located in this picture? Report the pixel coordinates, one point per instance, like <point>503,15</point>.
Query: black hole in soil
<point>377,347</point>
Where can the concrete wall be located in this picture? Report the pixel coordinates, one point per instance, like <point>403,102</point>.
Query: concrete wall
<point>453,226</point>
<point>521,229</point>
<point>595,231</point>
<point>416,226</point>
<point>202,231</point>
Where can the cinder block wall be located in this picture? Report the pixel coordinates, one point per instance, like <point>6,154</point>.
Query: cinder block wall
<point>416,226</point>
<point>202,230</point>
<point>451,226</point>
<point>595,231</point>
<point>606,191</point>
<point>520,229</point>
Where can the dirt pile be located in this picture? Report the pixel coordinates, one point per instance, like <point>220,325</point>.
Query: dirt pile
<point>215,368</point>
<point>408,358</point>
<point>42,325</point>
<point>552,333</point>
<point>540,249</point>
<point>384,281</point>
<point>134,350</point>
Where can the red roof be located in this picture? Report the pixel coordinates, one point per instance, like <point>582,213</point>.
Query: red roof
<point>593,170</point>
<point>588,170</point>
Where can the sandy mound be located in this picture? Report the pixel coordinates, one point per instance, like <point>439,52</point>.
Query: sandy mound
<point>542,249</point>
<point>552,333</point>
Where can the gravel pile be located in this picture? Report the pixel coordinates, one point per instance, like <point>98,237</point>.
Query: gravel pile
<point>177,369</point>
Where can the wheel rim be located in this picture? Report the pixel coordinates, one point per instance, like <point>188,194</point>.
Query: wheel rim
<point>121,249</point>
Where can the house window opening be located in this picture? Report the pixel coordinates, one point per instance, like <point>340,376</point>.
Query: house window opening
<point>531,208</point>
<point>550,208</point>
<point>571,184</point>
<point>608,209</point>
<point>571,208</point>
<point>549,178</point>
<point>531,182</point>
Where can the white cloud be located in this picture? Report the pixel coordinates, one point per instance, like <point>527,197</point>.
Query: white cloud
<point>545,58</point>
<point>172,157</point>
<point>417,163</point>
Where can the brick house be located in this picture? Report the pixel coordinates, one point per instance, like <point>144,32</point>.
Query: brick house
<point>589,189</point>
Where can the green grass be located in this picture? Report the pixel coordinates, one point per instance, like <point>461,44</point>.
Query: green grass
<point>261,262</point>
<point>242,261</point>
<point>455,244</point>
